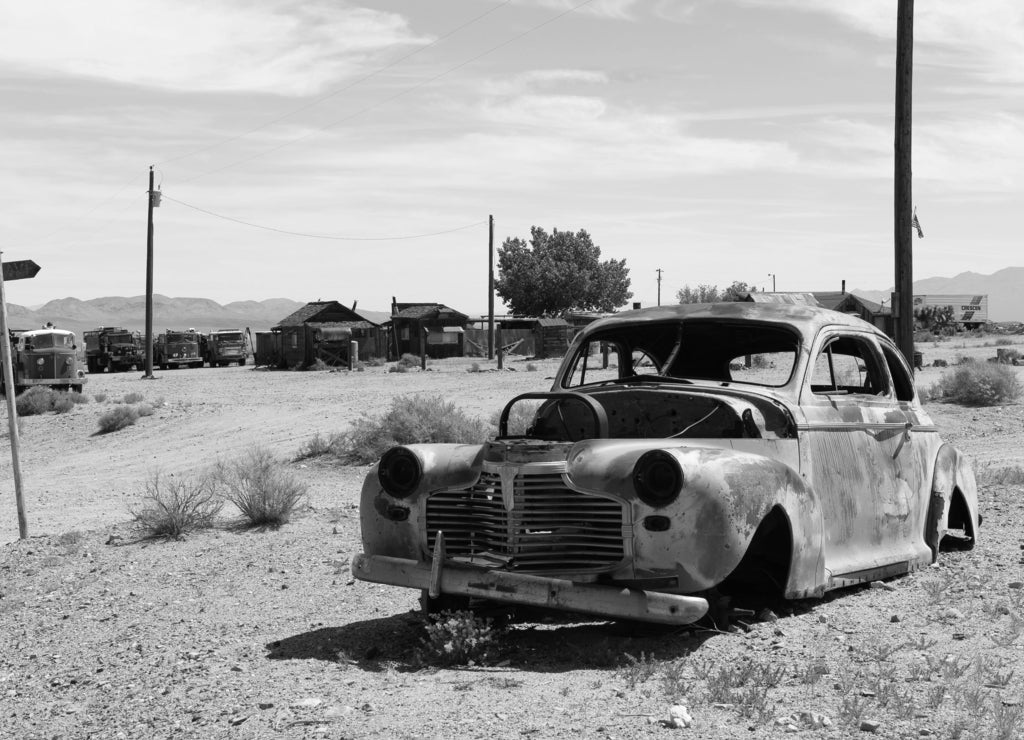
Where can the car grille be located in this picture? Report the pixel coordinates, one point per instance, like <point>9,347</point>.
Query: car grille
<point>549,528</point>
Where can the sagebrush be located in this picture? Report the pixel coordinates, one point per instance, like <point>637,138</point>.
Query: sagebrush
<point>978,384</point>
<point>42,400</point>
<point>173,505</point>
<point>261,486</point>
<point>410,420</point>
<point>118,418</point>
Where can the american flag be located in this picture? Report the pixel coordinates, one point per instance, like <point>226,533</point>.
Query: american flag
<point>917,225</point>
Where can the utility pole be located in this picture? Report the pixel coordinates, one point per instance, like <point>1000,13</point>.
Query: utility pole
<point>153,201</point>
<point>490,287</point>
<point>903,297</point>
<point>659,285</point>
<point>772,276</point>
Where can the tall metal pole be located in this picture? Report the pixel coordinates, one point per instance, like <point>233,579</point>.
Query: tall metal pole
<point>903,300</point>
<point>490,288</point>
<point>658,270</point>
<point>149,281</point>
<point>12,407</point>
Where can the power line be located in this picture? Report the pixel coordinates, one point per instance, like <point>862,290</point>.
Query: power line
<point>397,95</point>
<point>323,236</point>
<point>327,96</point>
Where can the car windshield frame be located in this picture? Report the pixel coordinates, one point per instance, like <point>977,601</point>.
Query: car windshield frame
<point>687,350</point>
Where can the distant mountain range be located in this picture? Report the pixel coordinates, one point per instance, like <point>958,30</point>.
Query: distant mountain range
<point>168,313</point>
<point>1005,291</point>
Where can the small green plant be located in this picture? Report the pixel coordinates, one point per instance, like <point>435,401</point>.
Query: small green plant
<point>852,709</point>
<point>99,397</point>
<point>978,384</point>
<point>458,638</point>
<point>130,398</point>
<point>260,485</point>
<point>174,505</point>
<point>410,420</point>
<point>318,446</point>
<point>637,670</point>
<point>42,400</point>
<point>118,418</point>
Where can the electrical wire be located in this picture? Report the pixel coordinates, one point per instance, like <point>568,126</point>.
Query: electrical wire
<point>323,236</point>
<point>329,95</point>
<point>391,98</point>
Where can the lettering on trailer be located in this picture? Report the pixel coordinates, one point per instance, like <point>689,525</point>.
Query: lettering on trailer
<point>974,305</point>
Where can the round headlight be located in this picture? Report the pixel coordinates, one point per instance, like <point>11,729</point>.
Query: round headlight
<point>399,472</point>
<point>657,478</point>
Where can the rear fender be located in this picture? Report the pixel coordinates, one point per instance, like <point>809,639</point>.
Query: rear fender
<point>953,473</point>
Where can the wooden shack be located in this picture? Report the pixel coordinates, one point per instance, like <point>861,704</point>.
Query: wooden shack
<point>322,331</point>
<point>435,327</point>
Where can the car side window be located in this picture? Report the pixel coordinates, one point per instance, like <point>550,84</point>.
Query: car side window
<point>847,365</point>
<point>902,381</point>
<point>597,361</point>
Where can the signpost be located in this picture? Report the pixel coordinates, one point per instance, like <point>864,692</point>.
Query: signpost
<point>21,270</point>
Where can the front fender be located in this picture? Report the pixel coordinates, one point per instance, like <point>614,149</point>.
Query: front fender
<point>391,526</point>
<point>726,494</point>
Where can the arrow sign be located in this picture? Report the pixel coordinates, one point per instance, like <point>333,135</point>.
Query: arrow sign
<point>20,270</point>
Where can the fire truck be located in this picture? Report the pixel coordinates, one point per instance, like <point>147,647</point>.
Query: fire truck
<point>176,348</point>
<point>112,348</point>
<point>46,357</point>
<point>224,346</point>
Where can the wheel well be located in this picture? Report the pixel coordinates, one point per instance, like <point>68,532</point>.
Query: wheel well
<point>958,520</point>
<point>764,568</point>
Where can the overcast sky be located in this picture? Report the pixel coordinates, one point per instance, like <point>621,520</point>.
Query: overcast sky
<point>717,140</point>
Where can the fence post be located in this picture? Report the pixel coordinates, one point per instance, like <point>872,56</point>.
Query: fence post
<point>353,354</point>
<point>500,349</point>
<point>423,354</point>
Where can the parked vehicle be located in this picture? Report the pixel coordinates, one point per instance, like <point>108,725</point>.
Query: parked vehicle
<point>113,348</point>
<point>47,357</point>
<point>176,348</point>
<point>224,346</point>
<point>731,448</point>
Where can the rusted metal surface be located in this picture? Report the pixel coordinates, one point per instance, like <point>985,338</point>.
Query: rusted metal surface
<point>724,447</point>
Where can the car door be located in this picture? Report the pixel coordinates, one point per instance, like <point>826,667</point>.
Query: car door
<point>851,428</point>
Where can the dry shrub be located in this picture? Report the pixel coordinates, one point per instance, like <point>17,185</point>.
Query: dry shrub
<point>132,398</point>
<point>978,384</point>
<point>118,418</point>
<point>42,400</point>
<point>410,420</point>
<point>99,397</point>
<point>319,446</point>
<point>173,505</point>
<point>260,485</point>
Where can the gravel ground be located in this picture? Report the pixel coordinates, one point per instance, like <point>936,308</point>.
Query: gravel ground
<point>235,632</point>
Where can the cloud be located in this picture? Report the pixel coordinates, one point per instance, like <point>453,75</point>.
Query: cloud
<point>611,9</point>
<point>285,47</point>
<point>985,39</point>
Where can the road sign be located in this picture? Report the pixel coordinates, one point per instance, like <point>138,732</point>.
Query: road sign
<point>20,270</point>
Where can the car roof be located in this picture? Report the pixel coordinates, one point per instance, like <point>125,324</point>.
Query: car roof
<point>41,332</point>
<point>808,320</point>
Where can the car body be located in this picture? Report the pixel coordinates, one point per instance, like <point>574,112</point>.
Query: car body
<point>682,452</point>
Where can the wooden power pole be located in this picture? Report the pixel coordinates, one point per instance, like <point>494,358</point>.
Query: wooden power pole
<point>903,297</point>
<point>153,200</point>
<point>490,288</point>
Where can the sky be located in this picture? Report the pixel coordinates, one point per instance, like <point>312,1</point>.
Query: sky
<point>354,151</point>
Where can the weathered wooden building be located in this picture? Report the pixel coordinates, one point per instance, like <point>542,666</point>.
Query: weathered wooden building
<point>320,330</point>
<point>432,326</point>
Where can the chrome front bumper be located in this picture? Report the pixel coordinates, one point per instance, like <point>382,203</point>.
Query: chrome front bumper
<point>518,588</point>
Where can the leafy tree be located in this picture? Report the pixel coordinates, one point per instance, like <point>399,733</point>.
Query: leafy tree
<point>559,272</point>
<point>711,293</point>
<point>700,294</point>
<point>935,319</point>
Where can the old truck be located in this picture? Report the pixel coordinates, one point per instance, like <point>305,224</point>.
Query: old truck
<point>47,357</point>
<point>224,346</point>
<point>112,348</point>
<point>176,348</point>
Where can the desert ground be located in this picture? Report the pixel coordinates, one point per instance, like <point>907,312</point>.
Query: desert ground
<point>241,633</point>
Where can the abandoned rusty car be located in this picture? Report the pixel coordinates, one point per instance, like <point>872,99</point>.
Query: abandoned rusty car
<point>682,453</point>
